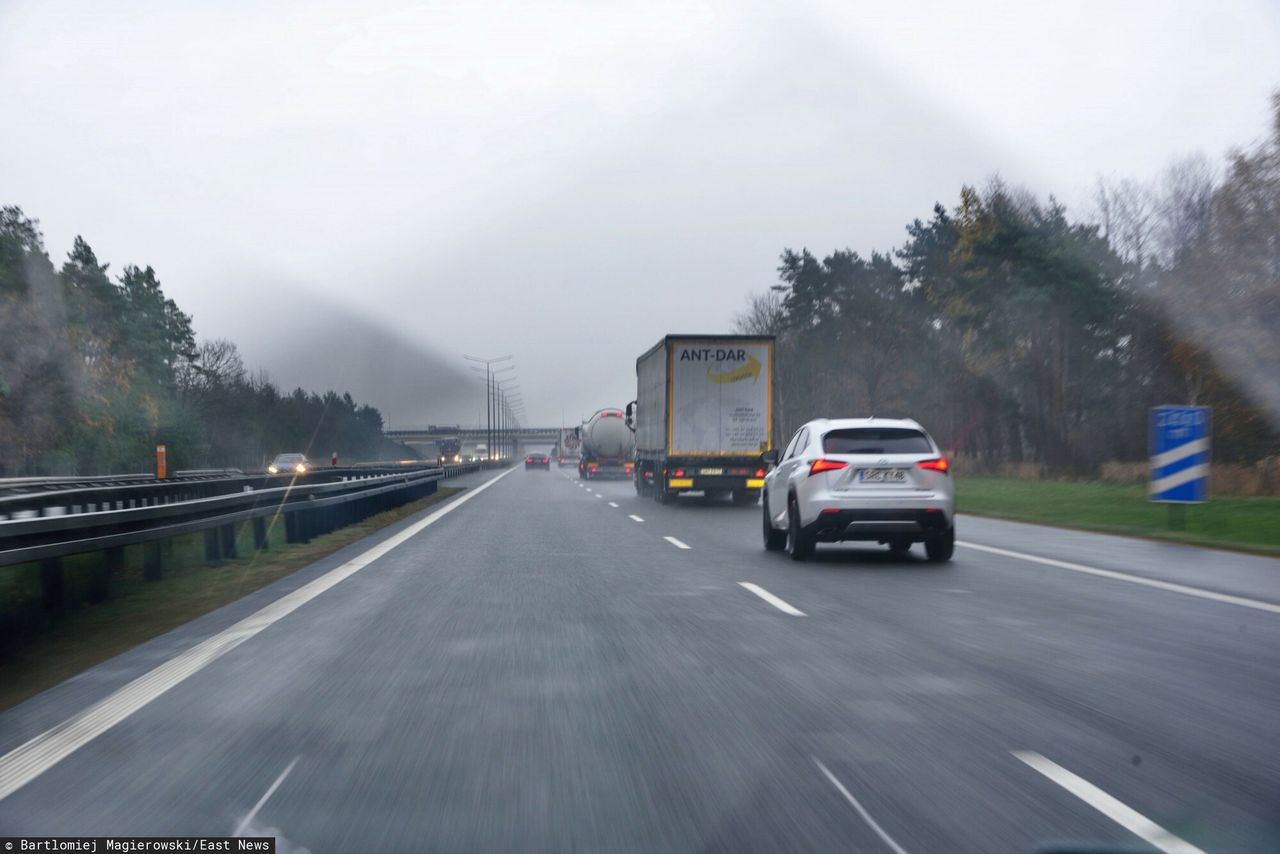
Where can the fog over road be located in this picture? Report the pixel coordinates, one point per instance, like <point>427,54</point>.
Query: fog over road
<point>553,665</point>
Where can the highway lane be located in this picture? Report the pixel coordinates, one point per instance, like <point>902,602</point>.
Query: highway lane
<point>540,671</point>
<point>1171,698</point>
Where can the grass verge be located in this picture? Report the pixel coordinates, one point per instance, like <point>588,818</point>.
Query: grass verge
<point>1241,524</point>
<point>141,610</point>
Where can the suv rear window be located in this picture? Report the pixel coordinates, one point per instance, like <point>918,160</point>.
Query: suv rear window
<point>876,440</point>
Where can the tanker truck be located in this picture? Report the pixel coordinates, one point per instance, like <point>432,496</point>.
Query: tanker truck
<point>606,446</point>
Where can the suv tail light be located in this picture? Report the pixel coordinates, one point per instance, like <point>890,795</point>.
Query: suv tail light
<point>938,464</point>
<point>821,465</point>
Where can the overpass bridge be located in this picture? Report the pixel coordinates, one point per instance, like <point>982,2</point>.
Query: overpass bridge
<point>426,440</point>
<point>433,433</point>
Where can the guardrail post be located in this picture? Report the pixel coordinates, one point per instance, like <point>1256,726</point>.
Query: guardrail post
<point>227,533</point>
<point>51,584</point>
<point>260,533</point>
<point>152,562</point>
<point>291,528</point>
<point>112,564</point>
<point>212,545</point>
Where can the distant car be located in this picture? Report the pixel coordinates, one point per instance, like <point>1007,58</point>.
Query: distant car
<point>285,463</point>
<point>877,479</point>
<point>537,461</point>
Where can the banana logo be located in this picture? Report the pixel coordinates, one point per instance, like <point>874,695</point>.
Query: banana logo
<point>750,369</point>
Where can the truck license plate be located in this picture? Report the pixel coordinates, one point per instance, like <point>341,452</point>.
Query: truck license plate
<point>712,471</point>
<point>882,475</point>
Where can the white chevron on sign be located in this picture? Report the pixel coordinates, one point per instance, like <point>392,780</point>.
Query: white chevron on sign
<point>1187,475</point>
<point>1162,459</point>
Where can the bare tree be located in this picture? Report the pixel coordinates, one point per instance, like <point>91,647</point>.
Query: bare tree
<point>1185,207</point>
<point>1128,211</point>
<point>764,314</point>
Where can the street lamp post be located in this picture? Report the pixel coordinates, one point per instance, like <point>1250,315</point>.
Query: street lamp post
<point>504,414</point>
<point>489,374</point>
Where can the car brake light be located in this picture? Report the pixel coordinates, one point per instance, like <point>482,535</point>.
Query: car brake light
<point>938,464</point>
<point>821,465</point>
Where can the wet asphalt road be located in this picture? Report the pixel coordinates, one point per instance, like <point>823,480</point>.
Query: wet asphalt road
<point>539,671</point>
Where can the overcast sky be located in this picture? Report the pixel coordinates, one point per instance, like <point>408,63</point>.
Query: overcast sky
<point>359,193</point>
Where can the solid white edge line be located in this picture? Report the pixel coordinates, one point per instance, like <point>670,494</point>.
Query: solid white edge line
<point>1123,815</point>
<point>677,543</point>
<point>781,604</point>
<point>853,802</point>
<point>1169,586</point>
<point>613,504</point>
<point>262,800</point>
<point>31,759</point>
<point>634,517</point>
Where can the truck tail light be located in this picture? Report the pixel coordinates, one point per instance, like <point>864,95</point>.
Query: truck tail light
<point>939,464</point>
<point>759,472</point>
<point>678,473</point>
<point>821,465</point>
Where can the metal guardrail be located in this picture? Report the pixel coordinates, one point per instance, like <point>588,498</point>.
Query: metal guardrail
<point>23,485</point>
<point>49,525</point>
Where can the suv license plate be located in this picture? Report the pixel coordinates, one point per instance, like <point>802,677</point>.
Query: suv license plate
<point>882,475</point>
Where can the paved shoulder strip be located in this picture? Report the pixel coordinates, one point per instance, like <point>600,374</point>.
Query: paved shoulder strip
<point>1128,818</point>
<point>28,761</point>
<point>1169,586</point>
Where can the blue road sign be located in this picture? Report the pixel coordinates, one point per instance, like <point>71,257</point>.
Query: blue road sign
<point>1180,437</point>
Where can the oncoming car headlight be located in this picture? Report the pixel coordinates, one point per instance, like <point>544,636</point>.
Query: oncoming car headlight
<point>300,468</point>
<point>271,469</point>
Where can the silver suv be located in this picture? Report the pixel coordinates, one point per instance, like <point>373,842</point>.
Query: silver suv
<point>877,479</point>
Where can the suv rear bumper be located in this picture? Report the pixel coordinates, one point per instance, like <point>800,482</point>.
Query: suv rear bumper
<point>836,524</point>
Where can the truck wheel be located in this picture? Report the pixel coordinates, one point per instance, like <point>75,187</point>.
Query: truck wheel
<point>746,497</point>
<point>663,495</point>
<point>799,544</point>
<point>940,547</point>
<point>774,540</point>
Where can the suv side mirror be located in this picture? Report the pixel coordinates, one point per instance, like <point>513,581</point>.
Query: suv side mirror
<point>770,457</point>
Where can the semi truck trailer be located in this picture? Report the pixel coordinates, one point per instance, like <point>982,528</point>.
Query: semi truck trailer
<point>703,416</point>
<point>567,447</point>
